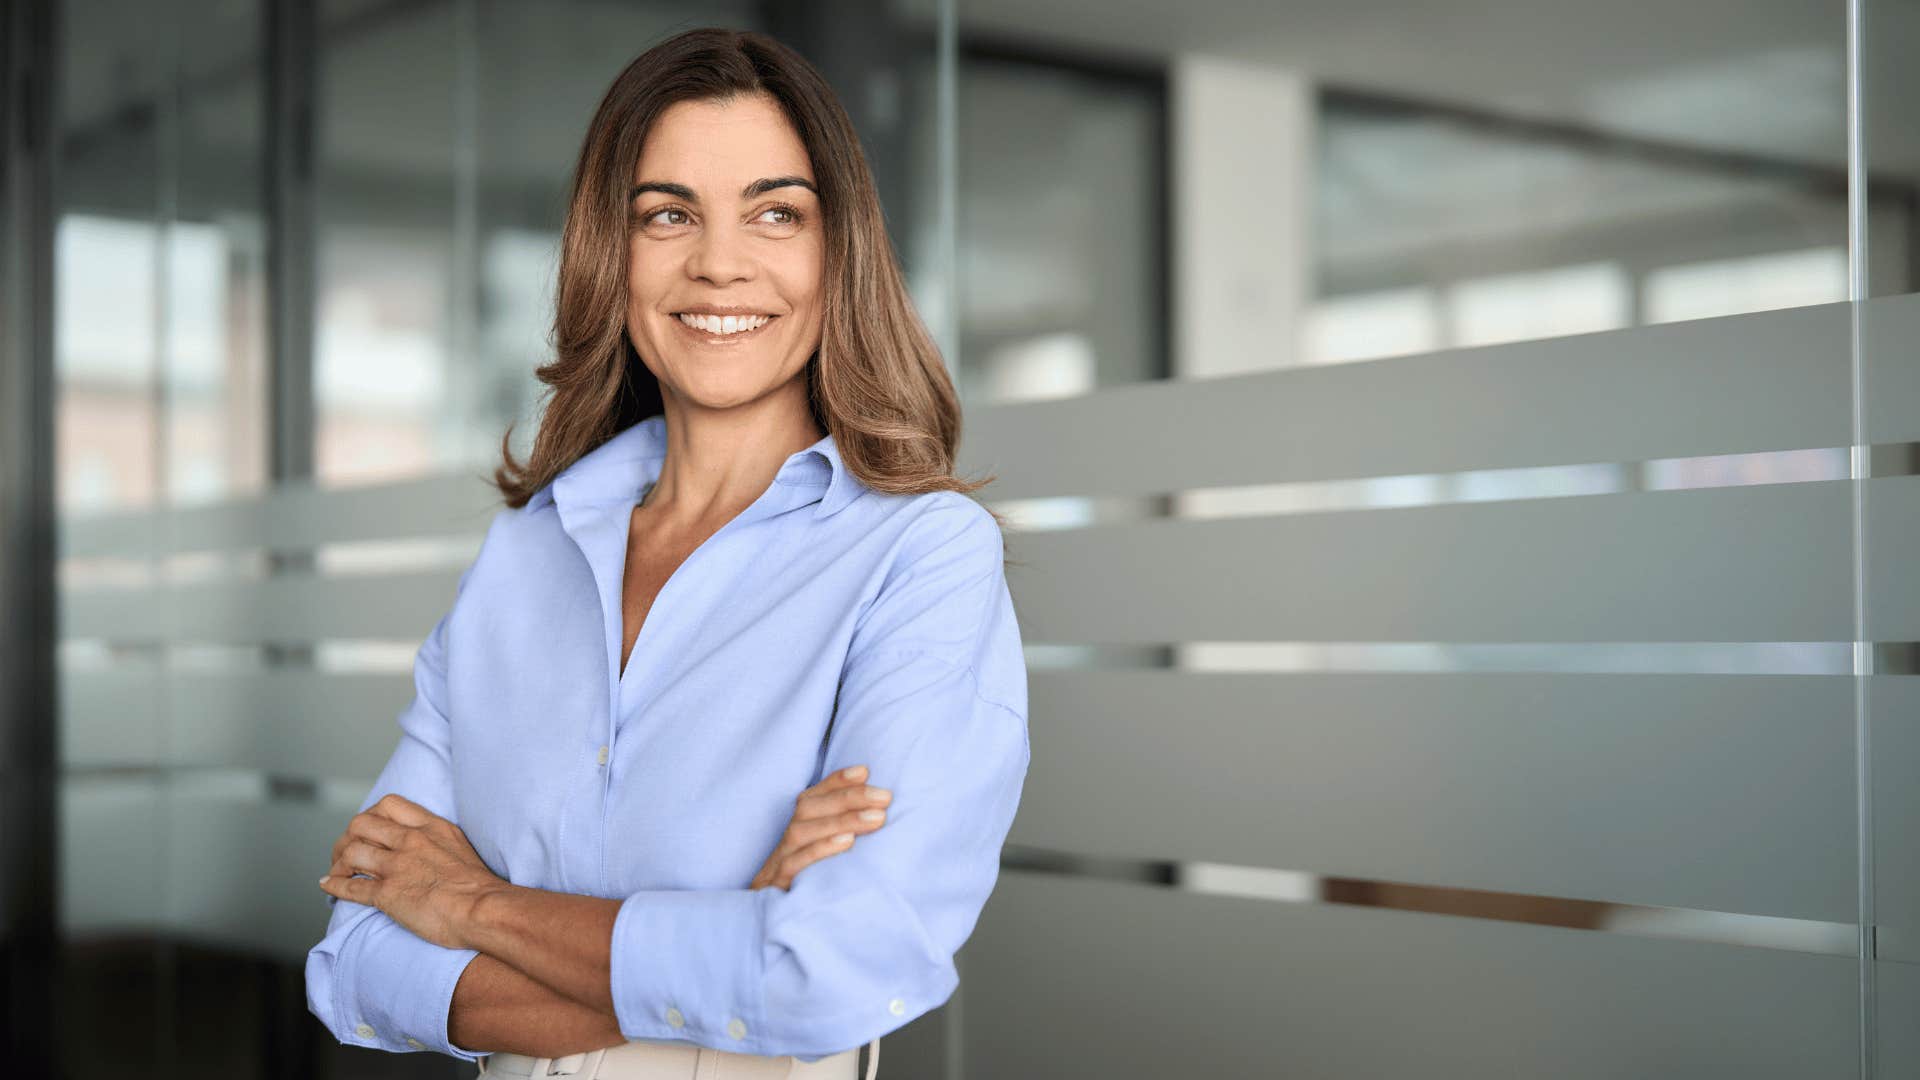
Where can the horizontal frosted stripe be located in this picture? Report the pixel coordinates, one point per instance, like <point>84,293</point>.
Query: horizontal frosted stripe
<point>291,518</point>
<point>290,722</point>
<point>1069,977</point>
<point>1894,704</point>
<point>111,853</point>
<point>292,608</point>
<point>1890,372</point>
<point>1717,793</point>
<point>1438,489</point>
<point>1301,887</point>
<point>1637,657</point>
<point>1730,564</point>
<point>1893,539</point>
<point>1764,563</point>
<point>206,858</point>
<point>1605,658</point>
<point>243,871</point>
<point>1630,395</point>
<point>111,717</point>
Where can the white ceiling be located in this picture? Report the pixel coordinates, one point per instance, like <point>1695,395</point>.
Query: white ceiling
<point>1756,76</point>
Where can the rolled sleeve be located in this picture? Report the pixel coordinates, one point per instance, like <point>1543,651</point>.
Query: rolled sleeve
<point>932,700</point>
<point>415,980</point>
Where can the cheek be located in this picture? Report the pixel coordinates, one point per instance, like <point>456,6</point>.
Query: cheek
<point>801,280</point>
<point>643,273</point>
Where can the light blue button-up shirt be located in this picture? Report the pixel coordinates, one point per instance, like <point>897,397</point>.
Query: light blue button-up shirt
<point>827,625</point>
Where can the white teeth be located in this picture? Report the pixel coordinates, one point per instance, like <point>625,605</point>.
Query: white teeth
<point>725,324</point>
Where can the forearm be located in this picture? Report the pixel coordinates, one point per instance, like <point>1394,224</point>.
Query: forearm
<point>497,1007</point>
<point>560,940</point>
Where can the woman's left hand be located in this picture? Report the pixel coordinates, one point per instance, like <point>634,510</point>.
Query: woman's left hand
<point>426,875</point>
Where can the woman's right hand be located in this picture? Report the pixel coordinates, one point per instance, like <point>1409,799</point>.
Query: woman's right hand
<point>825,818</point>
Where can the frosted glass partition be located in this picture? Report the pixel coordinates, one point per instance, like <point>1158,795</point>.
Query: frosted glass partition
<point>1737,385</point>
<point>1490,784</point>
<point>1890,383</point>
<point>1080,978</point>
<point>1585,755</point>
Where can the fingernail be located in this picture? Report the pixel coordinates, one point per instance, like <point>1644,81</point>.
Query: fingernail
<point>880,794</point>
<point>855,773</point>
<point>324,877</point>
<point>872,815</point>
<point>843,838</point>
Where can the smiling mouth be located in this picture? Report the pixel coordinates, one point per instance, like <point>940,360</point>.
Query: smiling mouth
<point>724,327</point>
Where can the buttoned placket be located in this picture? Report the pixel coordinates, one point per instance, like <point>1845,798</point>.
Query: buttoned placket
<point>625,694</point>
<point>604,528</point>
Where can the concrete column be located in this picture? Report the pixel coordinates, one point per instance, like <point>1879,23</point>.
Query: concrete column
<point>1242,144</point>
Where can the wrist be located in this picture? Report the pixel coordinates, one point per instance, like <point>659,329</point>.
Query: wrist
<point>488,915</point>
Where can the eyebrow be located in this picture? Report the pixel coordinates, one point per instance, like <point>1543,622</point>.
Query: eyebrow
<point>753,190</point>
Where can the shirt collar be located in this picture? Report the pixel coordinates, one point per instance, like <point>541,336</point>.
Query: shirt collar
<point>624,466</point>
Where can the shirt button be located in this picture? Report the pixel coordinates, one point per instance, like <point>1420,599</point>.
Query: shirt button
<point>674,1018</point>
<point>416,1043</point>
<point>897,1007</point>
<point>603,755</point>
<point>737,1028</point>
<point>365,1031</point>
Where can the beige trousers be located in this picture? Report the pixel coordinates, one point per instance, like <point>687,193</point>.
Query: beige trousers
<point>645,1060</point>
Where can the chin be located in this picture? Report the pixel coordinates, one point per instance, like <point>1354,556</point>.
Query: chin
<point>724,393</point>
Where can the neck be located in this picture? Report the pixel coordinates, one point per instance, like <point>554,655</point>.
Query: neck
<point>718,461</point>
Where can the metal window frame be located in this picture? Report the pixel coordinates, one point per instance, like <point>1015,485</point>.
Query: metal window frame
<point>29,708</point>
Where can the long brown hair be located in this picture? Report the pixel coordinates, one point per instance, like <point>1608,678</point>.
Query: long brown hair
<point>877,383</point>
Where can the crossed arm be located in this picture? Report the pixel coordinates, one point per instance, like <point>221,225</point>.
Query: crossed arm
<point>497,1007</point>
<point>541,984</point>
<point>433,951</point>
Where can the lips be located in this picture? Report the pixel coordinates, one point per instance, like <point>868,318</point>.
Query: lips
<point>723,330</point>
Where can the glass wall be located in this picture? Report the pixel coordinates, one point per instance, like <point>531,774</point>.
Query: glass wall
<point>1459,459</point>
<point>373,192</point>
<point>1062,223</point>
<point>1887,189</point>
<point>162,366</point>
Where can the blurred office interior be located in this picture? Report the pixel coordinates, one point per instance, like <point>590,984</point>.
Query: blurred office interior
<point>1459,457</point>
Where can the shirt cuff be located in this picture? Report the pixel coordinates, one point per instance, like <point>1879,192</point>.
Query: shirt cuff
<point>396,989</point>
<point>686,964</point>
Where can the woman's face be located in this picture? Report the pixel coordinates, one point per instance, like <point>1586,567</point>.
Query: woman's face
<point>725,223</point>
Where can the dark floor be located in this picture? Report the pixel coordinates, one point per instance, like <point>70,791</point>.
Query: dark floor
<point>137,1007</point>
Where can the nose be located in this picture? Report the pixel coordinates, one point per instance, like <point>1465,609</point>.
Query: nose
<point>719,256</point>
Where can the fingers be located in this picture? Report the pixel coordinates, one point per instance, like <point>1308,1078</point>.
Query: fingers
<point>815,803</point>
<point>380,830</point>
<point>864,820</point>
<point>852,774</point>
<point>812,853</point>
<point>403,810</point>
<point>826,818</point>
<point>835,811</point>
<point>358,890</point>
<point>360,857</point>
<point>373,827</point>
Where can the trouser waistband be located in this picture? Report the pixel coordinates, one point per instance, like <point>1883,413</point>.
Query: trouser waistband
<point>644,1058</point>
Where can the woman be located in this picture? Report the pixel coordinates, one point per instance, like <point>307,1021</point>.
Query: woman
<point>737,601</point>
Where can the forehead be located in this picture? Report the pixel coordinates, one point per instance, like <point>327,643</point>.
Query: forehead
<point>725,144</point>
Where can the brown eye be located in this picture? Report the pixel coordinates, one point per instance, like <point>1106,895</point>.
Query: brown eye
<point>650,218</point>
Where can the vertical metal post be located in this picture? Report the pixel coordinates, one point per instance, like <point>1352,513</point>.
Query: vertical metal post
<point>29,708</point>
<point>289,137</point>
<point>289,118</point>
<point>1860,470</point>
<point>947,125</point>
